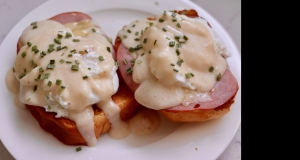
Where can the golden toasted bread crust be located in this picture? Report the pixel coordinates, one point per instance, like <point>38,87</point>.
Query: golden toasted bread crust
<point>65,130</point>
<point>198,115</point>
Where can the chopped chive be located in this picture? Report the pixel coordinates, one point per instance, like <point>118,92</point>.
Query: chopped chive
<point>59,35</point>
<point>211,69</point>
<point>62,54</point>
<point>176,70</point>
<point>145,40</point>
<point>132,61</point>
<point>174,19</point>
<point>33,48</point>
<point>101,58</point>
<point>73,50</point>
<point>138,47</point>
<point>129,70</point>
<point>185,37</point>
<point>44,76</point>
<point>70,55</point>
<point>161,20</point>
<point>177,36</point>
<point>128,30</point>
<point>28,44</point>
<point>125,61</point>
<point>58,82</point>
<point>93,29</point>
<point>61,88</point>
<point>84,77</point>
<point>89,68</point>
<point>41,70</point>
<point>58,48</point>
<point>133,25</point>
<point>78,149</point>
<point>22,75</point>
<point>189,75</point>
<point>34,88</point>
<point>57,41</point>
<point>76,40</point>
<point>23,54</point>
<point>49,107</point>
<point>177,52</point>
<point>33,23</point>
<point>108,49</point>
<point>139,61</point>
<point>13,69</point>
<point>142,54</point>
<point>155,42</point>
<point>36,51</point>
<point>75,67</point>
<point>181,40</point>
<point>68,35</point>
<point>171,43</point>
<point>109,40</point>
<point>164,29</point>
<point>34,27</point>
<point>173,14</point>
<point>68,62</point>
<point>49,83</point>
<point>125,36</point>
<point>172,64</point>
<point>131,49</point>
<point>52,61</point>
<point>64,47</point>
<point>149,51</point>
<point>178,25</point>
<point>136,39</point>
<point>77,62</point>
<point>167,38</point>
<point>50,50</point>
<point>51,45</point>
<point>51,66</point>
<point>218,77</point>
<point>179,62</point>
<point>136,33</point>
<point>117,64</point>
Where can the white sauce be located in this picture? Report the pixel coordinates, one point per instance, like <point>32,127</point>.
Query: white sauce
<point>75,95</point>
<point>178,74</point>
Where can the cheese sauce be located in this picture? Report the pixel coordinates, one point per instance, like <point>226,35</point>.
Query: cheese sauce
<point>66,69</point>
<point>177,59</point>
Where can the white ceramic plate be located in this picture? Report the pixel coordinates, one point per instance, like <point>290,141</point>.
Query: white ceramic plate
<point>24,139</point>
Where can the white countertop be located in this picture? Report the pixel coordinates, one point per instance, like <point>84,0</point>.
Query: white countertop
<point>226,12</point>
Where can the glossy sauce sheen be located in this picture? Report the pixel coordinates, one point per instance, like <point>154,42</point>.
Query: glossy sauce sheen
<point>171,58</point>
<point>95,80</point>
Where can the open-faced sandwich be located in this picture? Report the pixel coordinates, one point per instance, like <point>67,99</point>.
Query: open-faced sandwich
<point>65,74</point>
<point>176,64</point>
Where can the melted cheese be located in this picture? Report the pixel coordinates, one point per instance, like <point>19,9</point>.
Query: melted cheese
<point>173,56</point>
<point>93,79</point>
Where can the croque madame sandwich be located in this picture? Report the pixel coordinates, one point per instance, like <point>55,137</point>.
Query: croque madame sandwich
<point>175,63</point>
<point>65,74</point>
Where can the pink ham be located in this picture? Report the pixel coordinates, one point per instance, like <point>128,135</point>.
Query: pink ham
<point>69,17</point>
<point>224,90</point>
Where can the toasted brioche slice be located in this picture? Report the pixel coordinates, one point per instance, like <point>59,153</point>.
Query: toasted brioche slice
<point>65,130</point>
